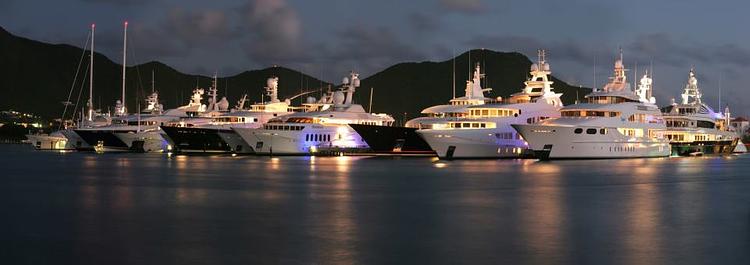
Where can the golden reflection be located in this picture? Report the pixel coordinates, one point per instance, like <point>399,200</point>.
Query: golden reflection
<point>643,239</point>
<point>275,163</point>
<point>340,228</point>
<point>542,219</point>
<point>439,165</point>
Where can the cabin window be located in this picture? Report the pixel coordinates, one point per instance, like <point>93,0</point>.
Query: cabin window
<point>591,131</point>
<point>578,131</point>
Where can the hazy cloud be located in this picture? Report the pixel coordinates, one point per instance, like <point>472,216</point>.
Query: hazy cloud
<point>463,6</point>
<point>421,22</point>
<point>275,31</point>
<point>120,2</point>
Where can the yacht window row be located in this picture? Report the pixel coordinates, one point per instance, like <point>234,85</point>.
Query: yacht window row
<point>465,125</point>
<point>283,127</point>
<point>588,113</point>
<point>318,137</point>
<point>485,113</point>
<point>590,131</point>
<point>508,136</point>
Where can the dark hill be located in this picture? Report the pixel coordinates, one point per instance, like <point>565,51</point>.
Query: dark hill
<point>36,77</point>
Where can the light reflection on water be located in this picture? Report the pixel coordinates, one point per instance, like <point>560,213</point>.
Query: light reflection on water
<point>354,210</point>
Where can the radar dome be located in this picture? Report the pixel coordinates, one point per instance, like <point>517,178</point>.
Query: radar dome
<point>311,100</point>
<point>271,82</point>
<point>338,98</point>
<point>345,80</point>
<point>545,67</point>
<point>534,67</point>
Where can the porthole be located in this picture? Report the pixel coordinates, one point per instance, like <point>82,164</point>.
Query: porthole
<point>578,131</point>
<point>591,131</point>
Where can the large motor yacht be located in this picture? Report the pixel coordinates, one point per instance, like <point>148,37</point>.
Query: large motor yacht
<point>615,122</point>
<point>400,140</point>
<point>694,128</point>
<point>485,131</point>
<point>323,129</point>
<point>214,134</point>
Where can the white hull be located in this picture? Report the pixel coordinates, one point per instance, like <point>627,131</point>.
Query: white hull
<point>473,143</point>
<point>50,142</point>
<point>558,142</point>
<point>235,142</point>
<point>152,140</point>
<point>740,148</point>
<point>279,142</point>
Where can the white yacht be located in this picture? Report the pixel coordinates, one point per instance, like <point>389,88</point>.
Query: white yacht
<point>485,130</point>
<point>615,122</point>
<point>321,130</point>
<point>404,140</point>
<point>694,128</point>
<point>140,132</point>
<point>214,134</point>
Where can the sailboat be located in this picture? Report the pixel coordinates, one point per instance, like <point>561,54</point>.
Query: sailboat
<point>66,138</point>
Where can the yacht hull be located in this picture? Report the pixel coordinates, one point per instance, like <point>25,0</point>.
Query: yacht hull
<point>76,140</point>
<point>474,143</point>
<point>314,139</point>
<point>235,142</point>
<point>103,140</point>
<point>558,142</point>
<point>150,141</point>
<point>196,140</point>
<point>704,148</point>
<point>49,142</point>
<point>392,139</point>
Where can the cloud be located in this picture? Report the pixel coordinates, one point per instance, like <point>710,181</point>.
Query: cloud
<point>371,49</point>
<point>196,27</point>
<point>463,6</point>
<point>421,22</point>
<point>274,29</point>
<point>121,2</point>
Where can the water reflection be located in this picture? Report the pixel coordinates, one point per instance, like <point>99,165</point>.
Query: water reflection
<point>323,210</point>
<point>542,222</point>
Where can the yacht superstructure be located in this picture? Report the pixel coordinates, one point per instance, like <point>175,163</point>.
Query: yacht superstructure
<point>614,122</point>
<point>322,128</point>
<point>485,130</point>
<point>694,128</point>
<point>456,108</point>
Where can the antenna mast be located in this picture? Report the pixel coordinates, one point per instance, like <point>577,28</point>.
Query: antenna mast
<point>91,76</point>
<point>454,74</point>
<point>124,63</point>
<point>152,82</point>
<point>370,105</point>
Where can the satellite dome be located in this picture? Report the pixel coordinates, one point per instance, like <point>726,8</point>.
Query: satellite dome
<point>271,82</point>
<point>311,100</point>
<point>534,67</point>
<point>345,80</point>
<point>545,67</point>
<point>338,98</point>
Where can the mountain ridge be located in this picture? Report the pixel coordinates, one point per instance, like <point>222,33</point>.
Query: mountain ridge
<point>30,68</point>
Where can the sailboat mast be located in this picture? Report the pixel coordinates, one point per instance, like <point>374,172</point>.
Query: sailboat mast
<point>124,63</point>
<point>91,76</point>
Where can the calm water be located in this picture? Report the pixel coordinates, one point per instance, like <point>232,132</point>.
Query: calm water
<point>149,208</point>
